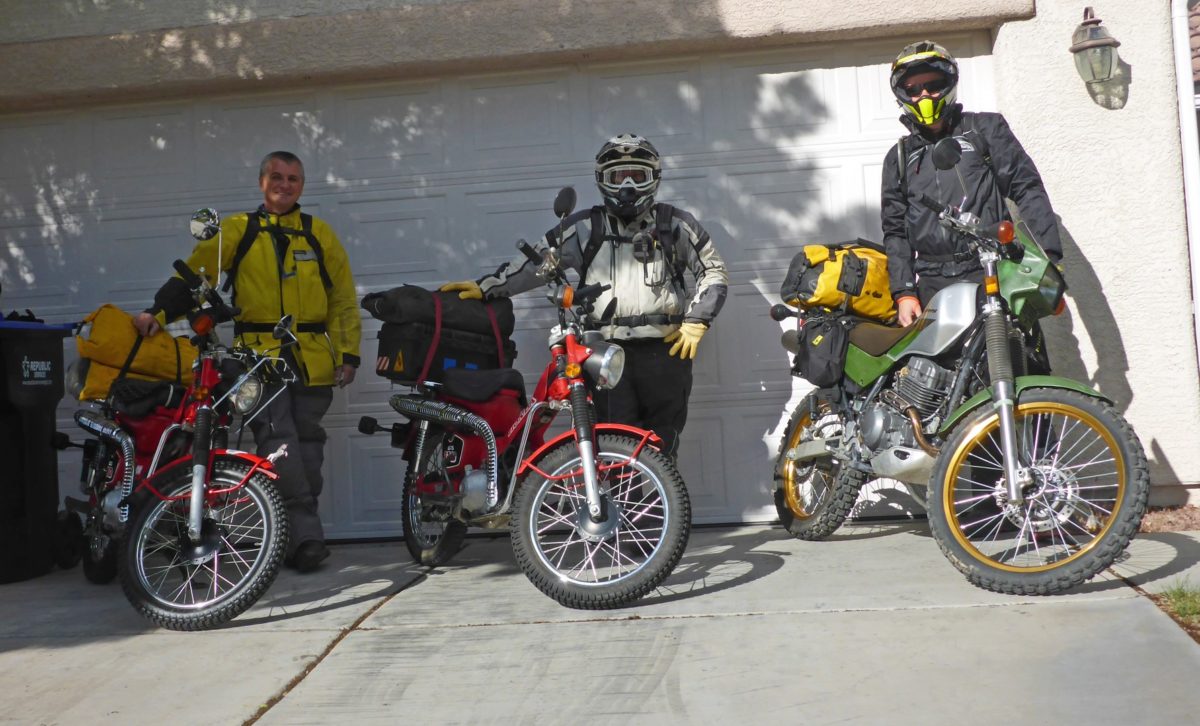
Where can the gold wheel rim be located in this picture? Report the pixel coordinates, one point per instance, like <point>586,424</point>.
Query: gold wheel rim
<point>791,483</point>
<point>982,431</point>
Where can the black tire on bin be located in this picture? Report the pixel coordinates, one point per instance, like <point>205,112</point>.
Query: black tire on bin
<point>31,385</point>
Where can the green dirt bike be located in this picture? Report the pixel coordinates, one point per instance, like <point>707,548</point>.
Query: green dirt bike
<point>1034,482</point>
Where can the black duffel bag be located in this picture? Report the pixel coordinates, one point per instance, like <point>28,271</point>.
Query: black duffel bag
<point>412,304</point>
<point>426,333</point>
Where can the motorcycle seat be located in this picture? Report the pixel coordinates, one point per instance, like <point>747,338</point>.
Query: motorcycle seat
<point>874,339</point>
<point>481,385</point>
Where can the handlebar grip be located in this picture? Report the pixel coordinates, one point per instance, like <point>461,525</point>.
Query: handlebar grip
<point>932,203</point>
<point>529,252</point>
<point>588,292</point>
<point>185,272</point>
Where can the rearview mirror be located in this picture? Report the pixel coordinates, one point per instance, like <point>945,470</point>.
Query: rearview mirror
<point>283,330</point>
<point>564,203</point>
<point>205,223</point>
<point>946,153</point>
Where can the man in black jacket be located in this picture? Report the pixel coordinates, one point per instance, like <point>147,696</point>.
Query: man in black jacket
<point>923,256</point>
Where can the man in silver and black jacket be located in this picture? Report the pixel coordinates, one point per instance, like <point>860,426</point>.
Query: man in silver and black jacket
<point>645,252</point>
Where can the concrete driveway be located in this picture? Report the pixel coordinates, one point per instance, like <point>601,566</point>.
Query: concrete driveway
<point>873,626</point>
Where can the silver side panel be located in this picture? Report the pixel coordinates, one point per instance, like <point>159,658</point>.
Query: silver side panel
<point>950,313</point>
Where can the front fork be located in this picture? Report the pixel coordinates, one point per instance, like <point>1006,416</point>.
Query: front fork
<point>584,418</point>
<point>1000,370</point>
<point>200,450</point>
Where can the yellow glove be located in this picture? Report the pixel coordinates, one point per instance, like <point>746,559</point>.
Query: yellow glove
<point>687,339</point>
<point>470,289</point>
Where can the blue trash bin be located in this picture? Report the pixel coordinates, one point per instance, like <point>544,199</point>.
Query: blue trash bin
<point>31,385</point>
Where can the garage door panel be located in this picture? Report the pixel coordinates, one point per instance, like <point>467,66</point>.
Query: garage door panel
<point>782,103</point>
<point>778,204</point>
<point>394,132</point>
<point>514,123</point>
<point>701,465</point>
<point>140,152</point>
<point>371,491</point>
<point>394,238</point>
<point>663,105</point>
<point>235,136</point>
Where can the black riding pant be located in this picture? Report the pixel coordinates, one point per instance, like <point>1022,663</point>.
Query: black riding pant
<point>294,418</point>
<point>653,392</point>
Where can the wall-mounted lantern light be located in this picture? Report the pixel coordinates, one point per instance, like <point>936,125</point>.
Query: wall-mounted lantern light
<point>1095,50</point>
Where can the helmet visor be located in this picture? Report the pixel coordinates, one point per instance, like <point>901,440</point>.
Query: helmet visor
<point>935,86</point>
<point>614,177</point>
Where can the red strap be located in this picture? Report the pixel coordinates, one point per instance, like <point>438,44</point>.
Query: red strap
<point>496,332</point>
<point>437,338</point>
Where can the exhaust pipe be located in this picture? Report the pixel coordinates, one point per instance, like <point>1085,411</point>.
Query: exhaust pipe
<point>453,416</point>
<point>108,429</point>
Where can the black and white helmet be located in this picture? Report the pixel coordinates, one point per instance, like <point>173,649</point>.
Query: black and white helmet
<point>628,170</point>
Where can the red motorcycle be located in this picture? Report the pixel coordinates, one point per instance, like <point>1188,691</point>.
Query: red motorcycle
<point>195,529</point>
<point>598,516</point>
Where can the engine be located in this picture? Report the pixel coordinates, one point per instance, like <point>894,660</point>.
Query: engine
<point>922,384</point>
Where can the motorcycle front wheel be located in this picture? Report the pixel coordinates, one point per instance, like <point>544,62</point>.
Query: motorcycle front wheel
<point>182,585</point>
<point>814,497</point>
<point>1086,489</point>
<point>431,534</point>
<point>581,563</point>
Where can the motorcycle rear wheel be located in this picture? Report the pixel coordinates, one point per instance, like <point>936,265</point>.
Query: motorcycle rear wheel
<point>813,498</point>
<point>1089,484</point>
<point>246,533</point>
<point>617,562</point>
<point>431,540</point>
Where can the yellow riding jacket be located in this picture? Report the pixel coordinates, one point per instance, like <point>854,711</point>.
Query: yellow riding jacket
<point>272,282</point>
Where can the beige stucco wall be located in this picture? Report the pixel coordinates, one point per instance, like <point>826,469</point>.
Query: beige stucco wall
<point>57,54</point>
<point>1114,175</point>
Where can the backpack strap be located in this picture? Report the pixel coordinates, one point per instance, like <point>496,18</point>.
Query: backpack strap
<point>663,214</point>
<point>306,223</point>
<point>253,227</point>
<point>595,239</point>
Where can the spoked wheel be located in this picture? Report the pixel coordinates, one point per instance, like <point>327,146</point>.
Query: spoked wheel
<point>431,533</point>
<point>1085,487</point>
<point>814,497</point>
<point>186,585</point>
<point>583,563</point>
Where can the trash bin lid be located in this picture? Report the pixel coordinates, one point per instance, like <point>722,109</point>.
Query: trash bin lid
<point>63,329</point>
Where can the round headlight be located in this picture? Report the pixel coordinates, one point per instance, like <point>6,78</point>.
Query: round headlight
<point>247,396</point>
<point>606,364</point>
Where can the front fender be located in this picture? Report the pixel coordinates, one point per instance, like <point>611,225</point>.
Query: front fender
<point>1022,384</point>
<point>218,455</point>
<point>647,437</point>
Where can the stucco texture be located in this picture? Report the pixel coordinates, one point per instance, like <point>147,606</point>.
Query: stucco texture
<point>124,50</point>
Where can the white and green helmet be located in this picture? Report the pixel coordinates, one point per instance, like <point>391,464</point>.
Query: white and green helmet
<point>918,57</point>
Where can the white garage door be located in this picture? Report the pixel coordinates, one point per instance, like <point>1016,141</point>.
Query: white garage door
<point>434,181</point>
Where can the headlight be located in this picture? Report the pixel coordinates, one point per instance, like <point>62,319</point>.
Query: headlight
<point>1052,288</point>
<point>606,364</point>
<point>247,396</point>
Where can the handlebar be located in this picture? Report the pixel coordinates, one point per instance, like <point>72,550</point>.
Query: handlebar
<point>528,250</point>
<point>933,204</point>
<point>212,297</point>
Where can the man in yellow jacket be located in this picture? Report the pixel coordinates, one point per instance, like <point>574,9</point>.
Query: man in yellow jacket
<point>280,261</point>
